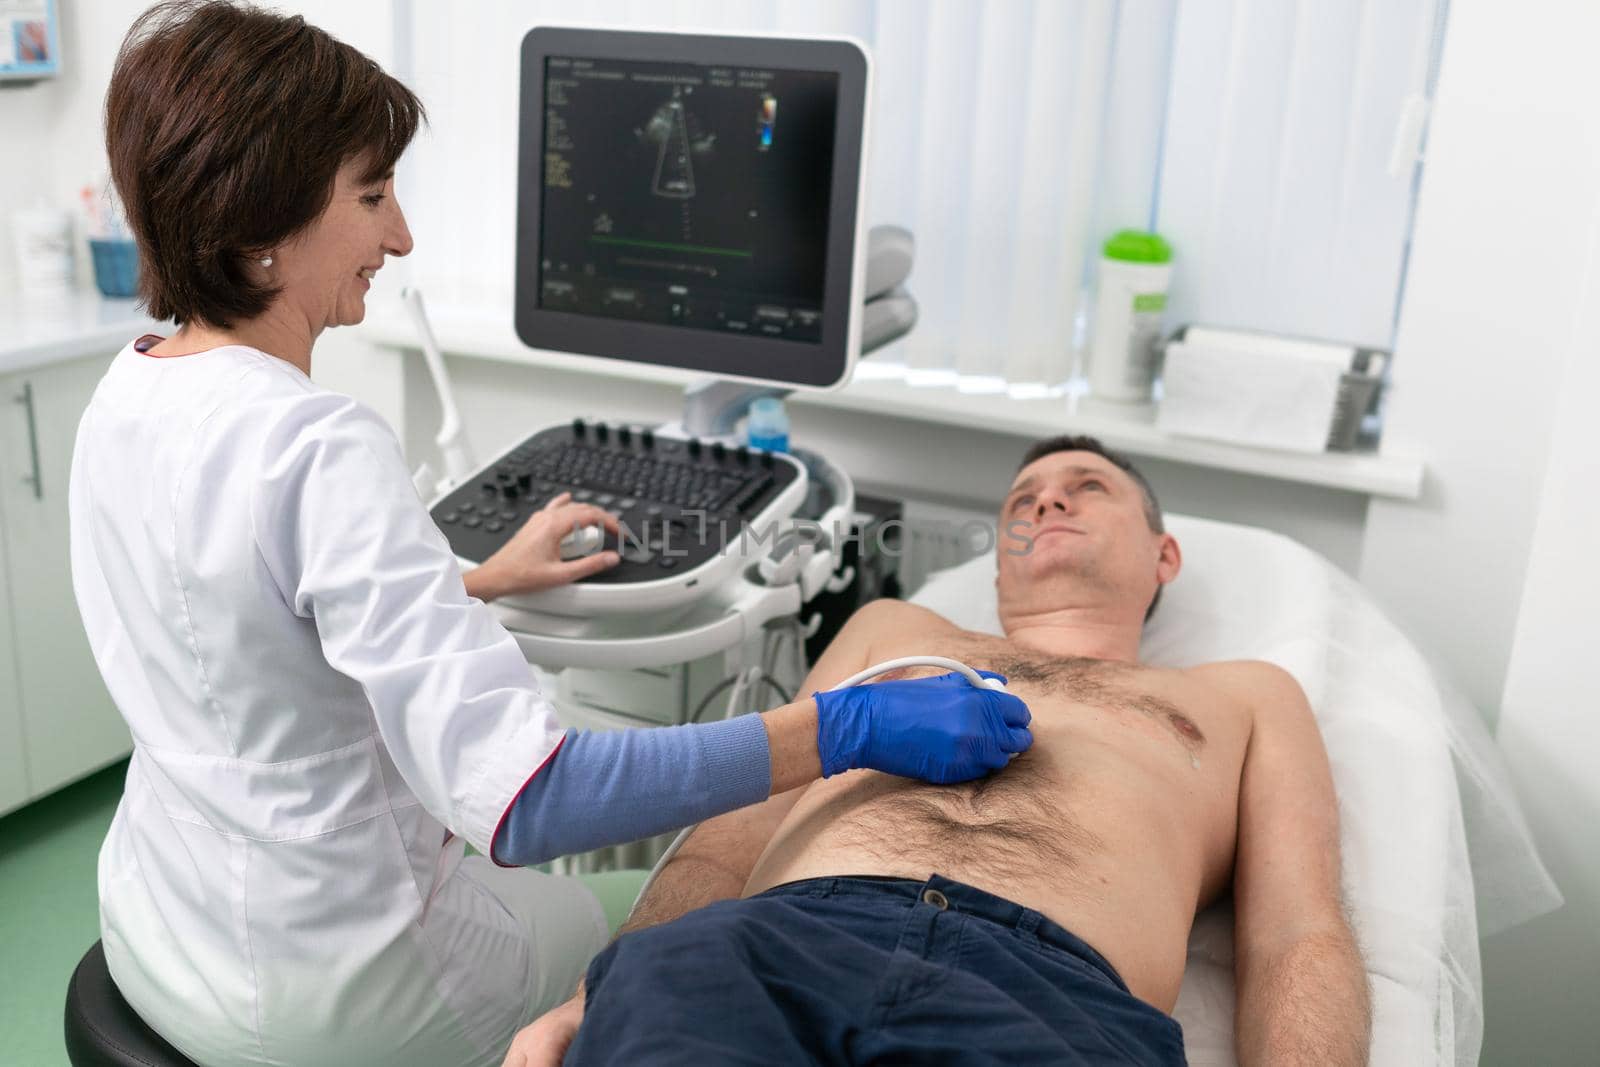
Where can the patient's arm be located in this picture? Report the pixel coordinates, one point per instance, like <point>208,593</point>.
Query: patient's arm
<point>716,861</point>
<point>1302,989</point>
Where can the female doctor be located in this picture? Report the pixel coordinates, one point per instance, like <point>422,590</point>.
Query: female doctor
<point>322,709</point>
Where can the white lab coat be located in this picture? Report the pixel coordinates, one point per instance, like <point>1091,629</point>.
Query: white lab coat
<point>313,699</point>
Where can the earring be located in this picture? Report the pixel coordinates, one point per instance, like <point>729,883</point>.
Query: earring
<point>266,261</point>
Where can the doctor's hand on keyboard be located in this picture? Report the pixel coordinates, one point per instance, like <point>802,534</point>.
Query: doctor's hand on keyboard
<point>532,559</point>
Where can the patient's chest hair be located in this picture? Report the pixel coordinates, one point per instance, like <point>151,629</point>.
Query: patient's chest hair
<point>1007,824</point>
<point>1115,687</point>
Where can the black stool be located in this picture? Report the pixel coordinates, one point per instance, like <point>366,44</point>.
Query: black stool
<point>102,1031</point>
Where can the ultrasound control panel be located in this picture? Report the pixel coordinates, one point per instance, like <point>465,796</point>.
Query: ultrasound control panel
<point>678,503</point>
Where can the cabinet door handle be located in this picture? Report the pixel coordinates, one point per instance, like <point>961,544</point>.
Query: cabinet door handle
<point>26,400</point>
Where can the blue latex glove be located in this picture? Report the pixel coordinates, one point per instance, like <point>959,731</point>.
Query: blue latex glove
<point>939,730</point>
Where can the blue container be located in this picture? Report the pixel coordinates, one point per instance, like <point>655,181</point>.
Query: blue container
<point>116,265</point>
<point>768,427</point>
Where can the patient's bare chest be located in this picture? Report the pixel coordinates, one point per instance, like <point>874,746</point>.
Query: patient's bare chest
<point>1083,693</point>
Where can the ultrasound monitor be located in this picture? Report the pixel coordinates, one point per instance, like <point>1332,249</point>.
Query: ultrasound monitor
<point>693,201</point>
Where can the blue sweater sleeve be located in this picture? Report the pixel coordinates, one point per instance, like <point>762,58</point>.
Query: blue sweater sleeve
<point>614,786</point>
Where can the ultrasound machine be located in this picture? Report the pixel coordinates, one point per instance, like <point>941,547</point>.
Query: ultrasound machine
<point>694,202</point>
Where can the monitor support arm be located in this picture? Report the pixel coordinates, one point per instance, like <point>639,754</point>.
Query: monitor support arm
<point>712,407</point>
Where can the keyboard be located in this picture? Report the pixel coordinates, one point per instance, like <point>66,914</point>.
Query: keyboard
<point>678,502</point>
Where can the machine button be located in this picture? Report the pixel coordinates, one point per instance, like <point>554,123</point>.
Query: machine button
<point>743,454</point>
<point>601,431</point>
<point>449,516</point>
<point>647,438</point>
<point>718,450</point>
<point>525,481</point>
<point>766,459</point>
<point>489,489</point>
<point>653,511</point>
<point>604,500</point>
<point>508,515</point>
<point>624,434</point>
<point>472,520</point>
<point>466,506</point>
<point>666,563</point>
<point>583,495</point>
<point>627,503</point>
<point>637,553</point>
<point>494,526</point>
<point>511,492</point>
<point>694,446</point>
<point>578,427</point>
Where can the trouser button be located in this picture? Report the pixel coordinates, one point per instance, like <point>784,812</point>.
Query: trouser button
<point>936,898</point>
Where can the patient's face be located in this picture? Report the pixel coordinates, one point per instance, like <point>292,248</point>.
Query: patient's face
<point>1073,526</point>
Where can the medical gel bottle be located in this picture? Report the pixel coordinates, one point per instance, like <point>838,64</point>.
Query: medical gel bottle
<point>1135,271</point>
<point>768,427</point>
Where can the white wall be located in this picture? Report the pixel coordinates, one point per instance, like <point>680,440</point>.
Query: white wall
<point>1495,282</point>
<point>1550,717</point>
<point>1545,978</point>
<point>1496,377</point>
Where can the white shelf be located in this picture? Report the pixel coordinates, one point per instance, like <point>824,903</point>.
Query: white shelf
<point>1126,428</point>
<point>38,330</point>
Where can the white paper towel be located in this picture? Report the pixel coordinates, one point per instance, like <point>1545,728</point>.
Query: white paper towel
<point>1252,393</point>
<point>43,240</point>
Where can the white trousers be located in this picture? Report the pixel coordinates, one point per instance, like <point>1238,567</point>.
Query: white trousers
<point>496,948</point>
<point>501,924</point>
<point>563,918</point>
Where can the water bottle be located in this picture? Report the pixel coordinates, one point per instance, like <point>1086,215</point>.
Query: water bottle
<point>768,427</point>
<point>1135,271</point>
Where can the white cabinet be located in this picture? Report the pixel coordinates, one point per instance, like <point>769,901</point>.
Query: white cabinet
<point>68,724</point>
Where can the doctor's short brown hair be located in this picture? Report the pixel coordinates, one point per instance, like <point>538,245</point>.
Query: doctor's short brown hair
<point>225,127</point>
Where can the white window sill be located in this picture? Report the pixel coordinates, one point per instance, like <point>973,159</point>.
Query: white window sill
<point>1127,428</point>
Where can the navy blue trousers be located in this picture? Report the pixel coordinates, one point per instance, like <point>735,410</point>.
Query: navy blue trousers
<point>868,971</point>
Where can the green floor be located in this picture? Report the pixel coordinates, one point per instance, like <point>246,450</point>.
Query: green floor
<point>49,915</point>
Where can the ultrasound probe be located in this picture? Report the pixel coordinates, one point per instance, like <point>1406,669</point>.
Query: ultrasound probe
<point>957,666</point>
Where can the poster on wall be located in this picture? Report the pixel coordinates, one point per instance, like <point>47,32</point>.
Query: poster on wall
<point>28,40</point>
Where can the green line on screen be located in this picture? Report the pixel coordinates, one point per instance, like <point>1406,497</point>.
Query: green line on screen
<point>671,247</point>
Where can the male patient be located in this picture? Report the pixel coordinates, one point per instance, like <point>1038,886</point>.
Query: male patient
<point>1040,915</point>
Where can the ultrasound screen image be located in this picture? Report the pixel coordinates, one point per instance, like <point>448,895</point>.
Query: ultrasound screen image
<point>687,195</point>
